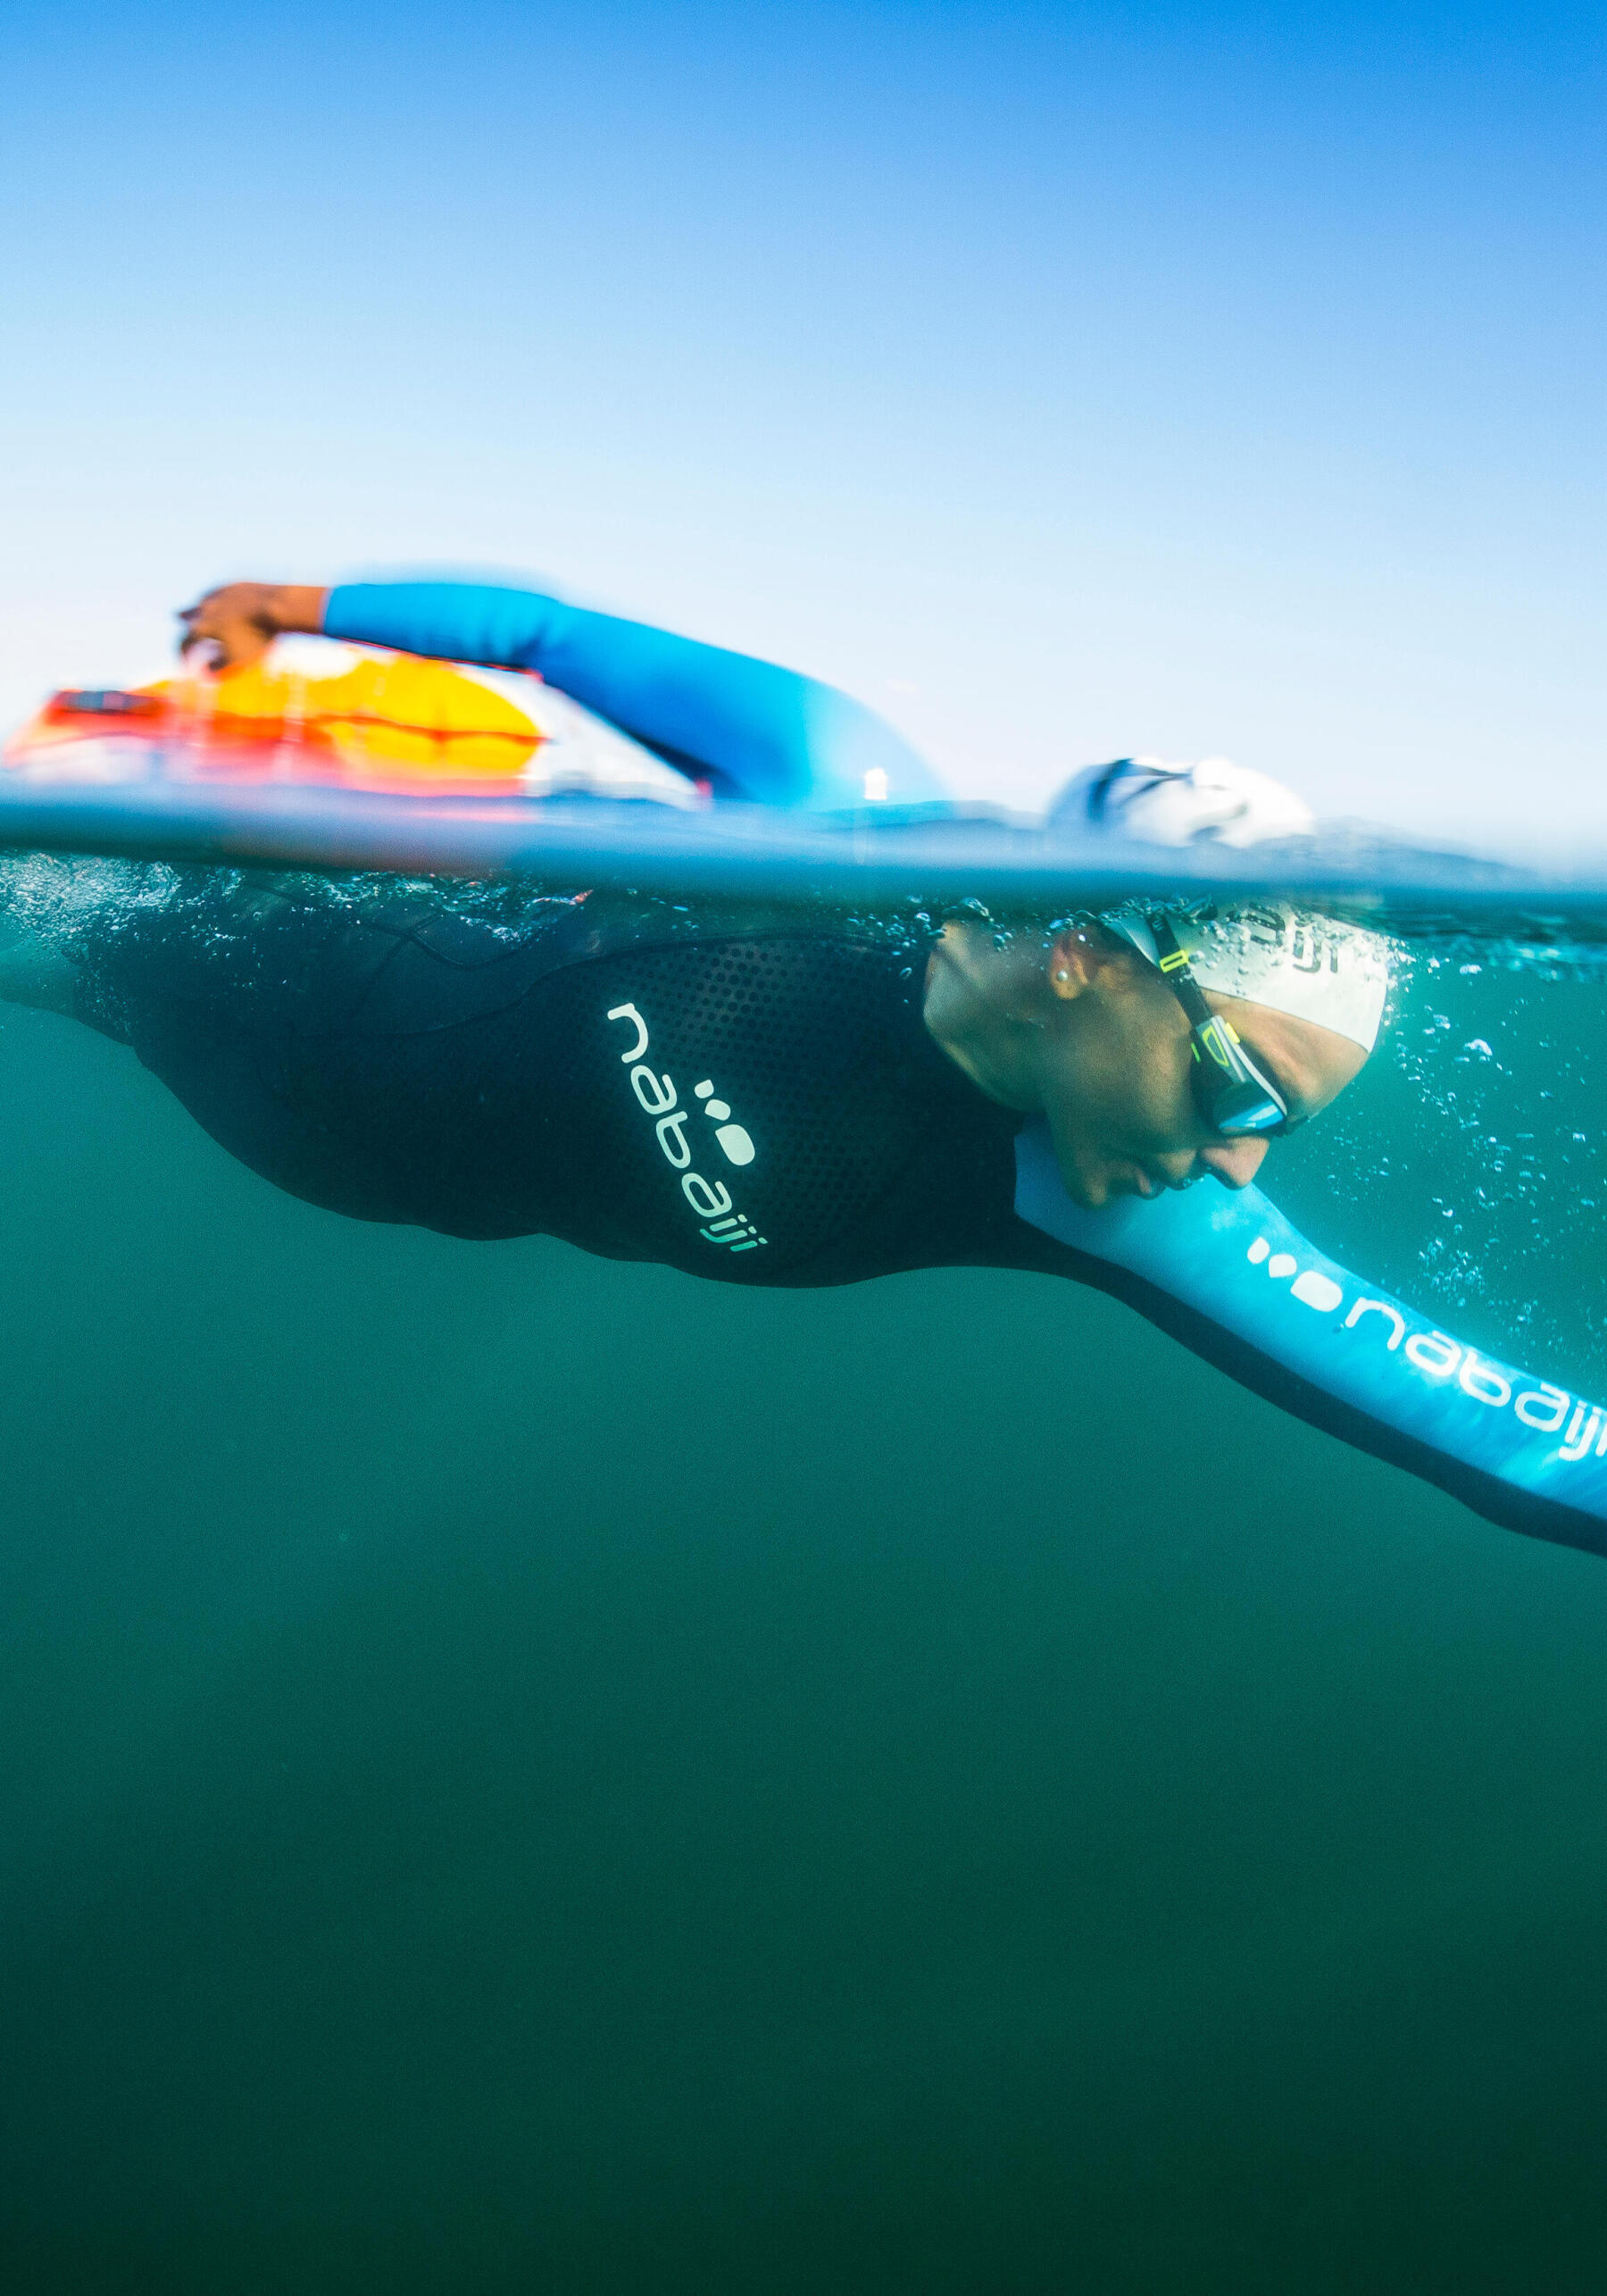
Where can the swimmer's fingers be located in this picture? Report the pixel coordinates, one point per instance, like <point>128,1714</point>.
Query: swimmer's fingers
<point>235,622</point>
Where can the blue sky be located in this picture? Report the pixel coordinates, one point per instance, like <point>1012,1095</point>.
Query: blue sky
<point>1063,381</point>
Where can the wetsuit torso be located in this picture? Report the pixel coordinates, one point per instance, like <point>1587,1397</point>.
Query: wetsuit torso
<point>758,1102</point>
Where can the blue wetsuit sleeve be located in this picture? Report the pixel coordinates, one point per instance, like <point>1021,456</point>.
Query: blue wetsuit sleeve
<point>1229,1276</point>
<point>756,731</point>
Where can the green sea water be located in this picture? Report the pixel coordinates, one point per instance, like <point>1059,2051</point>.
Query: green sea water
<point>525,1773</point>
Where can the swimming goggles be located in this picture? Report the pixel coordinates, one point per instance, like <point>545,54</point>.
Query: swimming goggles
<point>1231,1092</point>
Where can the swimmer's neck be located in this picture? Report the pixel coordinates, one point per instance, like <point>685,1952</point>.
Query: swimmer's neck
<point>990,1008</point>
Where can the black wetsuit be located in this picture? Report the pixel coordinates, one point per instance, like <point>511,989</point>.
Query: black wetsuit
<point>388,1054</point>
<point>755,1100</point>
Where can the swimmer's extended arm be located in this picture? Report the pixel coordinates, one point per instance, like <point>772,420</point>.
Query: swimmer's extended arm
<point>752,729</point>
<point>1228,1275</point>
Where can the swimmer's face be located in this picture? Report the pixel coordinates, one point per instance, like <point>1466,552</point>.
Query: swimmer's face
<point>1116,1079</point>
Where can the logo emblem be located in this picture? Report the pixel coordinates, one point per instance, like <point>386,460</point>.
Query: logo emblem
<point>710,1200</point>
<point>734,1139</point>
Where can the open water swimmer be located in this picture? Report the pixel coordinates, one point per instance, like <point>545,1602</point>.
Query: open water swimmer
<point>784,1097</point>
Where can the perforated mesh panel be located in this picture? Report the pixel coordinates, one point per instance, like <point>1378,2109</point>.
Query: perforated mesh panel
<point>401,1064</point>
<point>811,1044</point>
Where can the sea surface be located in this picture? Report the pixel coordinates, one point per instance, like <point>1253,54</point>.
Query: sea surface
<point>520,1773</point>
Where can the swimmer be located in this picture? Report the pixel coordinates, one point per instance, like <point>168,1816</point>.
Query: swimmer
<point>555,1068</point>
<point>788,1099</point>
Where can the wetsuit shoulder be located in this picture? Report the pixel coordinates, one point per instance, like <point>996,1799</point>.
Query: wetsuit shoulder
<point>769,1108</point>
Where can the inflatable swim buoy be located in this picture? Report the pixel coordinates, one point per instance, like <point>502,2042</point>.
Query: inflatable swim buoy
<point>317,712</point>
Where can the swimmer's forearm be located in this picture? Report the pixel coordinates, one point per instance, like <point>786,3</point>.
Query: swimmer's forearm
<point>299,606</point>
<point>745,723</point>
<point>443,622</point>
<point>449,622</point>
<point>755,730</point>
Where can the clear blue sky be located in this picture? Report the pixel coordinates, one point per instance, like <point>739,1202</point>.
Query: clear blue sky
<point>1063,380</point>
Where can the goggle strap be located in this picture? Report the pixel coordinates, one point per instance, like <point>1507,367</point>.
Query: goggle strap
<point>1173,962</point>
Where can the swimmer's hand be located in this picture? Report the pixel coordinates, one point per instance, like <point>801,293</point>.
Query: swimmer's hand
<point>239,622</point>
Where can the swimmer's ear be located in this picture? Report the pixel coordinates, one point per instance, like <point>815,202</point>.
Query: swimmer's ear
<point>1080,958</point>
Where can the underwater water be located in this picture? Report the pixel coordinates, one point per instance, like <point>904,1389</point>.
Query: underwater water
<point>521,1771</point>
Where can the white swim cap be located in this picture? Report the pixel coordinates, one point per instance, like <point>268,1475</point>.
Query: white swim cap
<point>1293,960</point>
<point>1212,802</point>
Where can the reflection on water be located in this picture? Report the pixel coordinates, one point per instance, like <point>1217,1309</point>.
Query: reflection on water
<point>526,1771</point>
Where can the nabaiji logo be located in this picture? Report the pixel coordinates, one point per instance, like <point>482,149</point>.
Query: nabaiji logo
<point>723,1225</point>
<point>1439,1357</point>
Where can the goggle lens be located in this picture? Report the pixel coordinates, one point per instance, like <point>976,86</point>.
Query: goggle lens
<point>1234,1109</point>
